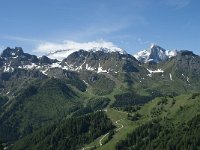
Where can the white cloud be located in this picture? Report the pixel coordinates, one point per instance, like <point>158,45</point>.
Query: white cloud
<point>48,47</point>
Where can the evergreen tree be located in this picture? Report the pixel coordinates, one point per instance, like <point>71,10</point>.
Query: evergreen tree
<point>1,146</point>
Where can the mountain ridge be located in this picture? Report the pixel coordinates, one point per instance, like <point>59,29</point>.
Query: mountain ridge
<point>155,54</point>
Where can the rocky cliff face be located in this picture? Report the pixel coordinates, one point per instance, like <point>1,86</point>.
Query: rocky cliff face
<point>155,54</point>
<point>12,58</point>
<point>102,62</point>
<point>188,63</point>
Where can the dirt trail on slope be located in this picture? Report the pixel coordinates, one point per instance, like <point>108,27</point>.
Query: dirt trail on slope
<point>100,141</point>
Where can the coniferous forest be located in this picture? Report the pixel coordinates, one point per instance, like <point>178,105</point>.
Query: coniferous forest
<point>69,134</point>
<point>161,134</point>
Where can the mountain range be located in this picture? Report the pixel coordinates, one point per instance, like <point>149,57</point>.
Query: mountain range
<point>42,95</point>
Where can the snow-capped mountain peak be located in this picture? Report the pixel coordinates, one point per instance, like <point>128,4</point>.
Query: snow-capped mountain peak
<point>70,47</point>
<point>155,53</point>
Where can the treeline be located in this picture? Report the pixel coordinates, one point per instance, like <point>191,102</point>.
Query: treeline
<point>93,104</point>
<point>134,117</point>
<point>98,103</point>
<point>162,135</point>
<point>130,98</point>
<point>72,133</point>
<point>129,109</point>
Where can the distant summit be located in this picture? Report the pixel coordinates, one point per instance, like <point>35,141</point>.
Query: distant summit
<point>155,54</point>
<point>12,52</point>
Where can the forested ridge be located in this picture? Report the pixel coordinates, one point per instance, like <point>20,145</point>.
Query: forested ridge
<point>163,135</point>
<point>69,134</point>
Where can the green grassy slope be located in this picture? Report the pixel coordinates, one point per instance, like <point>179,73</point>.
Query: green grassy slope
<point>176,110</point>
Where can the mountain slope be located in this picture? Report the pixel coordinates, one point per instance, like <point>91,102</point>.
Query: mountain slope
<point>41,102</point>
<point>69,134</point>
<point>173,123</point>
<point>178,75</point>
<point>102,62</point>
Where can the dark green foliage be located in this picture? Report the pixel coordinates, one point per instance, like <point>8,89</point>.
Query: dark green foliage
<point>3,100</point>
<point>164,135</point>
<point>98,103</point>
<point>173,102</point>
<point>82,111</point>
<point>92,105</point>
<point>127,79</point>
<point>39,103</point>
<point>194,95</point>
<point>128,99</point>
<point>134,117</point>
<point>101,84</point>
<point>155,93</point>
<point>73,79</point>
<point>1,146</point>
<point>163,101</point>
<point>129,67</point>
<point>69,134</point>
<point>28,92</point>
<point>110,135</point>
<point>103,87</point>
<point>129,108</point>
<point>156,111</point>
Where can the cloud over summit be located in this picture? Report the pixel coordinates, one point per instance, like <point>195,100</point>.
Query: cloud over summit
<point>48,47</point>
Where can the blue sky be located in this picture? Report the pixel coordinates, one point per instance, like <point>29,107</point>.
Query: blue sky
<point>130,24</point>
